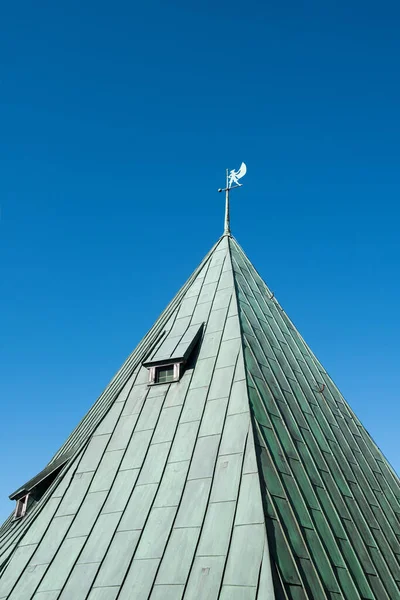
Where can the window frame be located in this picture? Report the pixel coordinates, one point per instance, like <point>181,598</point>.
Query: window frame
<point>21,507</point>
<point>154,370</point>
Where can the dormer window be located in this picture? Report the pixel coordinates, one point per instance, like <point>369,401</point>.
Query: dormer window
<point>169,361</point>
<point>164,373</point>
<point>35,488</point>
<point>21,507</point>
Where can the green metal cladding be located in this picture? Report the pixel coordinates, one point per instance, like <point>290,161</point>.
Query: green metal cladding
<point>249,479</point>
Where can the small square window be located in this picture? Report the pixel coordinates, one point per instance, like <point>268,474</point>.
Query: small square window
<point>20,509</point>
<point>165,374</point>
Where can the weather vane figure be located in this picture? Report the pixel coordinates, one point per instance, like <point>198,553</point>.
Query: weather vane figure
<point>232,182</point>
<point>234,176</point>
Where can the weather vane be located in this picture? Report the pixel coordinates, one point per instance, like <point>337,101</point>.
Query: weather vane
<point>232,182</point>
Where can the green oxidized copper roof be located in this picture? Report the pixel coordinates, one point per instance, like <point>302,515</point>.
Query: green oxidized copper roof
<point>249,479</point>
<point>331,499</point>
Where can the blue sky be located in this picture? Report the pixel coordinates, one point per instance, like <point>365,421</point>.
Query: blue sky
<point>117,123</point>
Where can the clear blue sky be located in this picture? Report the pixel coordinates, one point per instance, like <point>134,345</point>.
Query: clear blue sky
<point>117,122</point>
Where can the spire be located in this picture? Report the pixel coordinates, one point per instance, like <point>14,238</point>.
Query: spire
<point>231,177</point>
<point>227,224</point>
<point>221,462</point>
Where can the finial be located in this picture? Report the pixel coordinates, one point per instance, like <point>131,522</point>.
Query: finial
<point>232,177</point>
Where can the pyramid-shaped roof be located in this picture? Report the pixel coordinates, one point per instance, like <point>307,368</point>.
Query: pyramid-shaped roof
<point>248,477</point>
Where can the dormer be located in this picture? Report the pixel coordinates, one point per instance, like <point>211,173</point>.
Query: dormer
<point>34,489</point>
<point>170,360</point>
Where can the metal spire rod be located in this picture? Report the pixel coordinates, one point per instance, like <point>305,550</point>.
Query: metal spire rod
<point>232,177</point>
<point>227,226</point>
